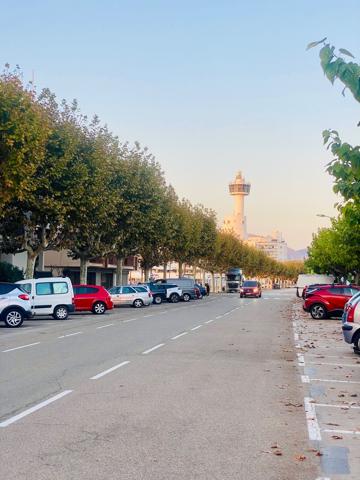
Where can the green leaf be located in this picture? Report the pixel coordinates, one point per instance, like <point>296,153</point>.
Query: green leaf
<point>346,52</point>
<point>314,44</point>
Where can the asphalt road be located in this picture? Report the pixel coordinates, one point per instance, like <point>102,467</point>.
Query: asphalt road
<point>204,390</point>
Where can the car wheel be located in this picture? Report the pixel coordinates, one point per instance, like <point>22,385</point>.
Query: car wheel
<point>356,341</point>
<point>318,311</point>
<point>99,308</point>
<point>13,318</point>
<point>241,296</point>
<point>186,297</point>
<point>138,303</point>
<point>157,300</point>
<point>60,312</point>
<point>174,298</point>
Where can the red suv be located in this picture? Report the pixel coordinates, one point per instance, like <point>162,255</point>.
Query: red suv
<point>328,300</point>
<point>94,298</point>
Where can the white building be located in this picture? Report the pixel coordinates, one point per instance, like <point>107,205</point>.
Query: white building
<point>236,223</point>
<point>273,245</point>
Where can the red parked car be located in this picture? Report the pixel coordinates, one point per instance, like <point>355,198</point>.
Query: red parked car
<point>328,300</point>
<point>93,298</point>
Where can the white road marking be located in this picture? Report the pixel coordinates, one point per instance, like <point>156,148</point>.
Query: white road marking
<point>70,334</point>
<point>129,320</point>
<point>109,370</point>
<point>163,313</point>
<point>180,335</point>
<point>333,381</point>
<point>105,326</point>
<point>33,409</point>
<point>219,316</point>
<point>305,379</point>
<point>209,321</point>
<point>336,364</point>
<point>153,348</point>
<point>311,420</point>
<point>296,337</point>
<point>195,328</point>
<point>344,406</point>
<point>147,316</point>
<point>345,432</point>
<point>18,348</point>
<point>301,360</point>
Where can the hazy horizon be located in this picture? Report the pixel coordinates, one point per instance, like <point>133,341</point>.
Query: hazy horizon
<point>211,88</point>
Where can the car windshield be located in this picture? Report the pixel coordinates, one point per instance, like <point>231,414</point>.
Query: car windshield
<point>249,283</point>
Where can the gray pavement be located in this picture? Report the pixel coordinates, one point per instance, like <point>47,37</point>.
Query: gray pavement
<point>205,390</point>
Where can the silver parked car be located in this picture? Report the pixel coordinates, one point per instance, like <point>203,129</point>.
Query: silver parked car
<point>351,322</point>
<point>14,305</point>
<point>137,296</point>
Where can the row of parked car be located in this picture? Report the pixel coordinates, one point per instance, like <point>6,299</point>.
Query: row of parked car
<point>334,300</point>
<point>56,296</point>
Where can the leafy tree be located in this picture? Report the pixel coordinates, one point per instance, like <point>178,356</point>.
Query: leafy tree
<point>10,273</point>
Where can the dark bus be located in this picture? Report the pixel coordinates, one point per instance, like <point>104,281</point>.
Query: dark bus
<point>233,280</point>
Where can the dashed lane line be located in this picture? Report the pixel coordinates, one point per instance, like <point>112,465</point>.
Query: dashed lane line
<point>130,320</point>
<point>153,348</point>
<point>33,409</point>
<point>19,348</point>
<point>105,326</point>
<point>180,335</point>
<point>210,321</point>
<point>109,370</point>
<point>70,334</point>
<point>196,328</point>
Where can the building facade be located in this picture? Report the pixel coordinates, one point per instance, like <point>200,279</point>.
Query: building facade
<point>273,245</point>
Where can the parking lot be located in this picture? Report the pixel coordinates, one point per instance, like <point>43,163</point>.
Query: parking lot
<point>330,373</point>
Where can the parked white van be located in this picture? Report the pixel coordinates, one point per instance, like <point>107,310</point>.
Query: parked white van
<point>50,296</point>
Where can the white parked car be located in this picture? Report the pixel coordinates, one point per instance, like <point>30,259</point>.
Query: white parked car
<point>14,305</point>
<point>351,322</point>
<point>128,295</point>
<point>50,296</point>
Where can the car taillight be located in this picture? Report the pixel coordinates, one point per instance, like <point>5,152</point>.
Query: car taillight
<point>350,315</point>
<point>24,296</point>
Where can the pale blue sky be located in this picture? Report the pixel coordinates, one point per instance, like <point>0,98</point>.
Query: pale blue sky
<point>211,87</point>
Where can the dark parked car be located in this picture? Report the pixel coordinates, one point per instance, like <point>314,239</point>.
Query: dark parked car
<point>162,292</point>
<point>329,300</point>
<point>250,288</point>
<point>186,284</point>
<point>202,289</point>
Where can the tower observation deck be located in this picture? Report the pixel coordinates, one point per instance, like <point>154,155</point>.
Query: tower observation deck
<point>238,189</point>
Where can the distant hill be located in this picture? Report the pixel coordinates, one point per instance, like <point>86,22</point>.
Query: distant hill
<point>296,254</point>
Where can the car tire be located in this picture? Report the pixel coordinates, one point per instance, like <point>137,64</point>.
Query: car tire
<point>174,298</point>
<point>157,300</point>
<point>61,312</point>
<point>13,318</point>
<point>138,303</point>
<point>186,297</point>
<point>318,311</point>
<point>356,341</point>
<point>99,308</point>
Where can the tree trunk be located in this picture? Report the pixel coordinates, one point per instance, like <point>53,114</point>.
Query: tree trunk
<point>180,269</point>
<point>146,273</point>
<point>213,282</point>
<point>165,271</point>
<point>30,264</point>
<point>83,270</point>
<point>119,270</point>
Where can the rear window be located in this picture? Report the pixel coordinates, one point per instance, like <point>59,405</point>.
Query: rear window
<point>141,289</point>
<point>7,287</point>
<point>249,283</point>
<point>26,287</point>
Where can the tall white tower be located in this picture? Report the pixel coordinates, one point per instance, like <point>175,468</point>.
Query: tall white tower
<point>237,223</point>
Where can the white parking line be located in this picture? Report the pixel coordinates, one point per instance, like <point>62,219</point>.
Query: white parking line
<point>153,348</point>
<point>18,348</point>
<point>219,316</point>
<point>333,381</point>
<point>209,321</point>
<point>311,420</point>
<point>336,364</point>
<point>109,370</point>
<point>345,432</point>
<point>147,316</point>
<point>33,409</point>
<point>70,334</point>
<point>196,328</point>
<point>305,379</point>
<point>343,406</point>
<point>180,335</point>
<point>105,326</point>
